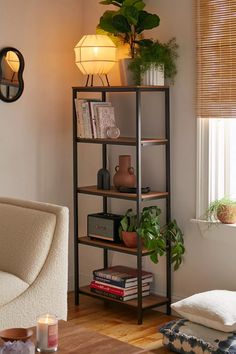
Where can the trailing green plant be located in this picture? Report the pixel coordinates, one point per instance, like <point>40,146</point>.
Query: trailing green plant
<point>154,53</point>
<point>127,22</point>
<point>157,239</point>
<point>217,206</point>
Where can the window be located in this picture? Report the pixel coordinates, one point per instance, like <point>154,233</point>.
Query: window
<point>216,161</point>
<point>216,101</point>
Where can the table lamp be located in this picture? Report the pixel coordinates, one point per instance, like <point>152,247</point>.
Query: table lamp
<point>95,55</point>
<point>13,61</point>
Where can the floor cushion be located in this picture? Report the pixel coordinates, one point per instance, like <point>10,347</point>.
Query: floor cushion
<point>215,309</point>
<point>186,337</point>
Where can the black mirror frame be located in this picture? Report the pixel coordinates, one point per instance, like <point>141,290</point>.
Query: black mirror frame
<point>20,74</point>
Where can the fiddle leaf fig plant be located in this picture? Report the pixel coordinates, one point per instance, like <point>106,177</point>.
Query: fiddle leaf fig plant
<point>128,21</point>
<point>157,239</point>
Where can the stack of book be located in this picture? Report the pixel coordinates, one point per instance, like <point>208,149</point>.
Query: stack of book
<point>120,283</point>
<point>94,117</point>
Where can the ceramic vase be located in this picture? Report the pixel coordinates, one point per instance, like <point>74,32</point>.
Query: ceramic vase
<point>153,76</point>
<point>124,176</point>
<point>125,74</point>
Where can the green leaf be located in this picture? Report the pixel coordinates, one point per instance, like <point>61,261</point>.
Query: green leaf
<point>112,2</point>
<point>131,14</point>
<point>147,21</point>
<point>120,23</point>
<point>154,257</point>
<point>138,4</point>
<point>106,22</point>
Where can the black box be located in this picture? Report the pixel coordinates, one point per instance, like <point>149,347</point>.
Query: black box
<point>104,226</point>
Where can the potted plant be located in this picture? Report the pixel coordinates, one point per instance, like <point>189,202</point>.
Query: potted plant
<point>154,55</point>
<point>127,22</point>
<point>128,228</point>
<point>156,239</point>
<point>223,210</point>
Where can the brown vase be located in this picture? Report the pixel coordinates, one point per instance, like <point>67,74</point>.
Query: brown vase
<point>227,214</point>
<point>124,176</point>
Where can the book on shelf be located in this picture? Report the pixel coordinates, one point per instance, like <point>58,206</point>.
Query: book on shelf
<point>118,297</point>
<point>93,106</point>
<point>116,289</point>
<point>105,119</point>
<point>93,117</point>
<point>121,276</point>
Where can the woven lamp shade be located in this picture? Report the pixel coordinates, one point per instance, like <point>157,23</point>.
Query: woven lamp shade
<point>95,54</point>
<point>13,61</point>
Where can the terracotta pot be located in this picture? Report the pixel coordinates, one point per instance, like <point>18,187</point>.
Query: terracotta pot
<point>124,176</point>
<point>130,239</point>
<point>227,214</point>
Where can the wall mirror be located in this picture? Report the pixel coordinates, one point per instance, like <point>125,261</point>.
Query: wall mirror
<point>11,74</point>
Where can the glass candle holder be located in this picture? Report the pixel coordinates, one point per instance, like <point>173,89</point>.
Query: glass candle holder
<point>47,333</point>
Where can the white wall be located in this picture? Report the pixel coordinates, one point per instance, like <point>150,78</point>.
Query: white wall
<point>35,131</point>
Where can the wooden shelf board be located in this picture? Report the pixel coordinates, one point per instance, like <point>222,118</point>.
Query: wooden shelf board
<point>131,88</point>
<point>117,247</point>
<point>148,301</point>
<point>113,193</point>
<point>124,141</point>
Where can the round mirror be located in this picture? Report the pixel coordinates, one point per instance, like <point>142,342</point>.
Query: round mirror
<point>11,74</point>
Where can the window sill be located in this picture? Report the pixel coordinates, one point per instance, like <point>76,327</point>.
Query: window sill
<point>206,228</point>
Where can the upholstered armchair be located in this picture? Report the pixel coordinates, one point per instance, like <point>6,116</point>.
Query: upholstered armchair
<point>33,261</point>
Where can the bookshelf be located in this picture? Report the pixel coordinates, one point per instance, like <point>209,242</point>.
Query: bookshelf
<point>139,142</point>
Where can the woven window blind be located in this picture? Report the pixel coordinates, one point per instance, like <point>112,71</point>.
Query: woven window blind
<point>216,58</point>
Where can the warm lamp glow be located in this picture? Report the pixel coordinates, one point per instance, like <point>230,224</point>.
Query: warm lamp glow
<point>13,61</point>
<point>95,54</point>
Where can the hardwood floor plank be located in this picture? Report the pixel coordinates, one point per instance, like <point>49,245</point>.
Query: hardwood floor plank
<point>113,320</point>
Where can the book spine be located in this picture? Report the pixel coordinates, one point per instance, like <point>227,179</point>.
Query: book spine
<point>113,276</point>
<point>86,120</point>
<point>104,293</point>
<point>117,291</point>
<point>110,281</point>
<point>92,120</point>
<point>107,288</point>
<point>117,297</point>
<point>79,119</point>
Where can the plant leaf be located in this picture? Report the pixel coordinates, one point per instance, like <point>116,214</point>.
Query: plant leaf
<point>138,4</point>
<point>131,14</point>
<point>106,22</point>
<point>147,21</point>
<point>120,23</point>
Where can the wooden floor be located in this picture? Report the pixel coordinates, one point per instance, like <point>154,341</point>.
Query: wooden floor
<point>118,322</point>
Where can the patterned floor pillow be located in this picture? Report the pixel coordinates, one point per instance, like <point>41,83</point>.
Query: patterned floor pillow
<point>183,336</point>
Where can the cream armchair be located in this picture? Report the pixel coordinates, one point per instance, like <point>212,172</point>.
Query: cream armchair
<point>33,261</point>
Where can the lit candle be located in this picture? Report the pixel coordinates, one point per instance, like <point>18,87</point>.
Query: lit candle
<point>47,333</point>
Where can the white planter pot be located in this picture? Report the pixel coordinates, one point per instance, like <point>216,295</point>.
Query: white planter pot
<point>154,76</point>
<point>125,74</point>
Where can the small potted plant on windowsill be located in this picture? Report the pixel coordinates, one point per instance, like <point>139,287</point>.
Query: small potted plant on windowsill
<point>223,210</point>
<point>154,56</point>
<point>156,239</point>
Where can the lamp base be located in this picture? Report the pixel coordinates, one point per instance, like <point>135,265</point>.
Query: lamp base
<point>90,78</point>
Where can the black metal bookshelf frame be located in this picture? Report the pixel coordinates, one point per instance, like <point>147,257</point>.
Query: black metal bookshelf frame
<point>142,303</point>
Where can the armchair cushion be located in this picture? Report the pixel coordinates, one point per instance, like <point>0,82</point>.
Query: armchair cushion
<point>25,238</point>
<point>11,287</point>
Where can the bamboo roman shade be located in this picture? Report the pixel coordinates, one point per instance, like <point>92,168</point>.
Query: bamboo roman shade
<point>216,58</point>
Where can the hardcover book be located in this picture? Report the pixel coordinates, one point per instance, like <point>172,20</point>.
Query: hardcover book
<point>116,289</point>
<point>105,119</point>
<point>122,274</point>
<point>117,297</point>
